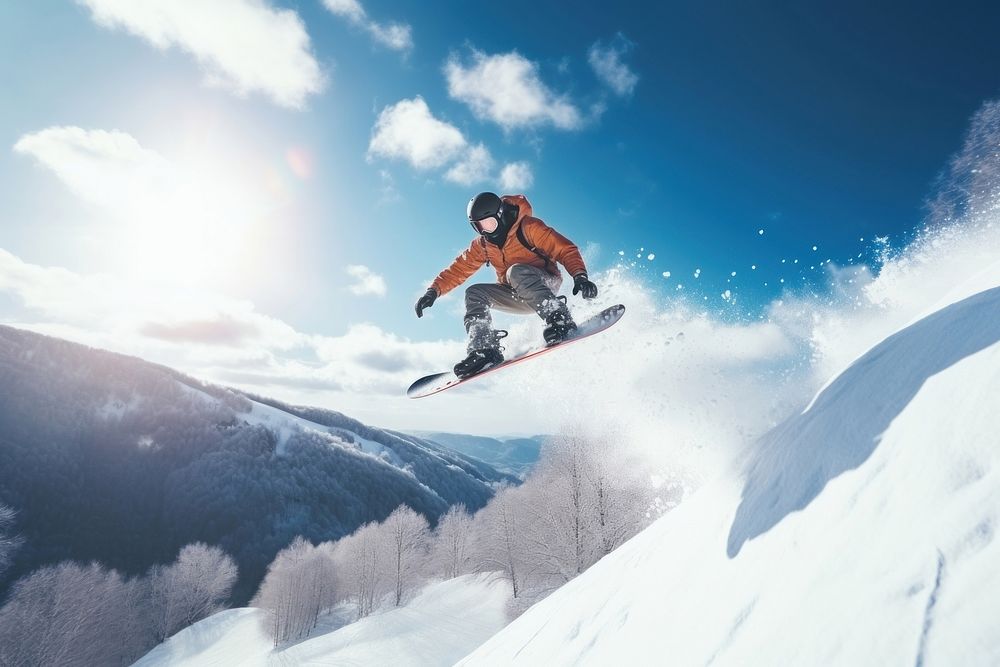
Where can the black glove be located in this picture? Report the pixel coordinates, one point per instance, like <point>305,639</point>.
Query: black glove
<point>582,284</point>
<point>427,300</point>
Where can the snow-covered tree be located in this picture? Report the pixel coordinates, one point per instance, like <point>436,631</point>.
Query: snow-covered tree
<point>359,559</point>
<point>70,614</point>
<point>8,542</point>
<point>581,502</point>
<point>451,553</point>
<point>619,500</point>
<point>299,586</point>
<point>560,530</point>
<point>500,537</point>
<point>970,187</point>
<point>193,587</point>
<point>406,535</point>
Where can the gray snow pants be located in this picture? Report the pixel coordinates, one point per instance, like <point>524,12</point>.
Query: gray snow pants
<point>531,290</point>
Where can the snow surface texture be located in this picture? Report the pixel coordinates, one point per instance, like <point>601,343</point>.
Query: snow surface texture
<point>443,623</point>
<point>863,532</point>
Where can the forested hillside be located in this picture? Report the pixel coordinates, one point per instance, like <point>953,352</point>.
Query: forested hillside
<point>110,458</point>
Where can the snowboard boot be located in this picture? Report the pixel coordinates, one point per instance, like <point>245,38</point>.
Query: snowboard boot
<point>484,349</point>
<point>560,324</point>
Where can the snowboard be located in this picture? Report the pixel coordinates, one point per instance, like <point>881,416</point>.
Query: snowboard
<point>438,382</point>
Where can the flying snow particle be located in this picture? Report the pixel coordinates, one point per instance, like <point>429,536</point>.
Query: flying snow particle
<point>666,274</point>
<point>795,262</point>
<point>651,257</point>
<point>760,232</point>
<point>697,273</point>
<point>621,253</point>
<point>753,267</point>
<point>727,295</point>
<point>815,248</point>
<point>782,280</point>
<point>733,274</point>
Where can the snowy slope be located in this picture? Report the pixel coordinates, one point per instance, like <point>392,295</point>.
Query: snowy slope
<point>862,532</point>
<point>443,623</point>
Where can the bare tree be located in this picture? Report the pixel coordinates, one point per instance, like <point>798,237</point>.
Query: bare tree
<point>8,543</point>
<point>620,498</point>
<point>406,534</point>
<point>500,542</point>
<point>559,534</point>
<point>359,560</point>
<point>580,503</point>
<point>451,544</point>
<point>193,587</point>
<point>70,614</point>
<point>299,586</point>
<point>970,187</point>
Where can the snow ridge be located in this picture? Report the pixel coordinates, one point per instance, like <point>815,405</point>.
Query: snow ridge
<point>845,422</point>
<point>836,545</point>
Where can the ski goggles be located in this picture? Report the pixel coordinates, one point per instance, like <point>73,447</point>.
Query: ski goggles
<point>486,225</point>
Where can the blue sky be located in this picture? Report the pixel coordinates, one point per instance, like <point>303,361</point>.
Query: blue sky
<point>819,125</point>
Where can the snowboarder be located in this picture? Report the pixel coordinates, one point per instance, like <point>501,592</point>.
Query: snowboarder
<point>524,251</point>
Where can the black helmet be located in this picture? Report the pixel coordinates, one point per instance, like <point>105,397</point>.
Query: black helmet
<point>491,216</point>
<point>484,205</point>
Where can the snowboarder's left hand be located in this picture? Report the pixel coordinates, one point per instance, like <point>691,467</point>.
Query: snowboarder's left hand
<point>582,284</point>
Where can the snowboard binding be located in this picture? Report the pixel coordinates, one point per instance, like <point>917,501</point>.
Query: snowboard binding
<point>487,354</point>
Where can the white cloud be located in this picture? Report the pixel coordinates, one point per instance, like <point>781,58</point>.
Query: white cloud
<point>407,130</point>
<point>389,193</point>
<point>609,68</point>
<point>107,168</point>
<point>473,168</point>
<point>349,9</point>
<point>214,336</point>
<point>516,176</point>
<point>365,281</point>
<point>155,211</point>
<point>243,45</point>
<point>396,36</point>
<point>506,89</point>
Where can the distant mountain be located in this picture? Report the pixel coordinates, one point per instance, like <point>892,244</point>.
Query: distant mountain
<point>513,455</point>
<point>116,459</point>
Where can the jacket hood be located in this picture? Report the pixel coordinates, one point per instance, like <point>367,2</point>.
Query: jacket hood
<point>522,204</point>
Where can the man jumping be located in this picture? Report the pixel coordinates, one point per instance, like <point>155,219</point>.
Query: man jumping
<point>524,251</point>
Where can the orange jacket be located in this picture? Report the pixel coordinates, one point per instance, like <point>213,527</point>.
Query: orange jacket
<point>548,241</point>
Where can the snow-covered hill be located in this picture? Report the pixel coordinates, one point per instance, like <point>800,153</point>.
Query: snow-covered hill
<point>111,458</point>
<point>439,626</point>
<point>862,531</point>
<point>516,456</point>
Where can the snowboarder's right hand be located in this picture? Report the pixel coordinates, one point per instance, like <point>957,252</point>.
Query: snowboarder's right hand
<point>426,301</point>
